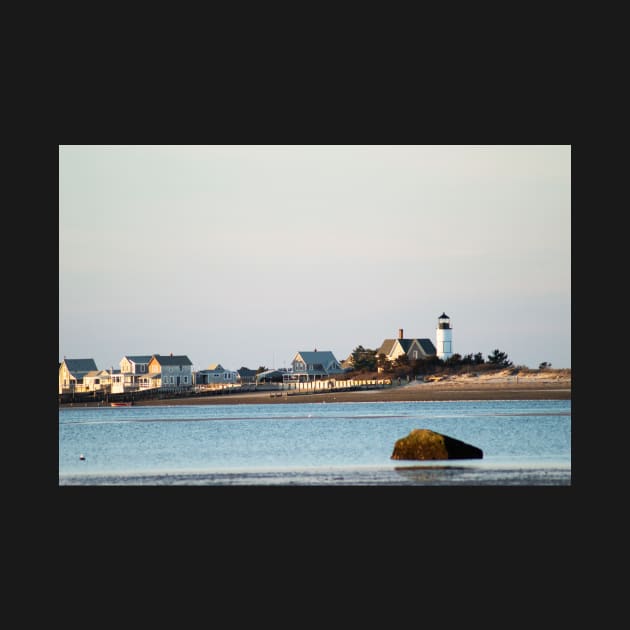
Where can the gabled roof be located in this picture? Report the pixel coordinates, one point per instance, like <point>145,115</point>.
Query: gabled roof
<point>140,358</point>
<point>95,373</point>
<point>325,357</point>
<point>246,372</point>
<point>388,345</point>
<point>176,359</point>
<point>216,367</point>
<point>80,366</point>
<point>427,346</point>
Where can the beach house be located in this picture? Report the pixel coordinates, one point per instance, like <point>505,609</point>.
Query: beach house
<point>72,372</point>
<point>215,374</point>
<point>318,364</point>
<point>171,371</point>
<point>133,374</point>
<point>414,348</point>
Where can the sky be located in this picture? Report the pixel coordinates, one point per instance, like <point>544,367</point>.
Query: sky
<point>246,255</point>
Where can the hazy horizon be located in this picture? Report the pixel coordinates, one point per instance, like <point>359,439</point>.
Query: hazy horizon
<point>246,255</point>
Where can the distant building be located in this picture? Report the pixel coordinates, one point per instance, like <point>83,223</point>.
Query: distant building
<point>136,364</point>
<point>72,373</point>
<point>215,374</point>
<point>310,366</point>
<point>271,376</point>
<point>444,337</point>
<point>174,371</point>
<point>414,348</point>
<point>133,374</point>
<point>246,376</point>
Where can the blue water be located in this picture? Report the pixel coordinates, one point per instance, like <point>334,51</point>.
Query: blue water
<point>524,442</point>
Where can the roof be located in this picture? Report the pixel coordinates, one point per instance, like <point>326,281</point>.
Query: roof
<point>427,346</point>
<point>388,345</point>
<point>246,372</point>
<point>444,316</point>
<point>269,374</point>
<point>140,358</point>
<point>95,373</point>
<point>216,367</point>
<point>176,359</point>
<point>323,357</point>
<point>80,365</point>
<point>211,371</point>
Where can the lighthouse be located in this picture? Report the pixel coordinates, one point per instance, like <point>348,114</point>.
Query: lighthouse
<point>444,337</point>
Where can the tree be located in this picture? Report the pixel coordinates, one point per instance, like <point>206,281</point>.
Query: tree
<point>454,359</point>
<point>364,359</point>
<point>544,365</point>
<point>383,363</point>
<point>499,359</point>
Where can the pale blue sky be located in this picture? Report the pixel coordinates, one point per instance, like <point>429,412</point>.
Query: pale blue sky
<point>245,255</point>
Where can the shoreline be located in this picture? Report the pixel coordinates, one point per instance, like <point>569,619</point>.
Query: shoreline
<point>490,389</point>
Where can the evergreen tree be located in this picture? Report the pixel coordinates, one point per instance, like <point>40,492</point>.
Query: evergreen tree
<point>499,359</point>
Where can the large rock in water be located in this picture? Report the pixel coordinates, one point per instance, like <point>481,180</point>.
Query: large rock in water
<point>427,444</point>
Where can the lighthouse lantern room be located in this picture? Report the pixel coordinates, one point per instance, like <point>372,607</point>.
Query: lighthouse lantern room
<point>444,337</point>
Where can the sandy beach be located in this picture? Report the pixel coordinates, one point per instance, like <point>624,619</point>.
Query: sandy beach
<point>544,385</point>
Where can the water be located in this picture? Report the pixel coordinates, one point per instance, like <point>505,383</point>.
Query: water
<point>524,442</point>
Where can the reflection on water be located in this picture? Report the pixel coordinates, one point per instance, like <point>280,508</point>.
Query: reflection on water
<point>483,476</point>
<point>408,476</point>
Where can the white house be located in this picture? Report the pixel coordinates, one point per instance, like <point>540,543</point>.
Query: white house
<point>133,373</point>
<point>96,380</point>
<point>72,372</point>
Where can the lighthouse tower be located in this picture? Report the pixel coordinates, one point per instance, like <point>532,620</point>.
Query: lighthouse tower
<point>444,337</point>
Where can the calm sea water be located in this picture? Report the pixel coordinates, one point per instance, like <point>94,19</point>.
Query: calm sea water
<point>524,442</point>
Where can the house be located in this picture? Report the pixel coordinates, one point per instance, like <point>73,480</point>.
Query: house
<point>96,380</point>
<point>307,366</point>
<point>72,372</point>
<point>135,364</point>
<point>215,374</point>
<point>413,348</point>
<point>270,376</point>
<point>130,375</point>
<point>245,376</point>
<point>170,371</point>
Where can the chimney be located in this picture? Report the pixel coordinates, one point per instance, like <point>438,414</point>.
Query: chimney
<point>400,333</point>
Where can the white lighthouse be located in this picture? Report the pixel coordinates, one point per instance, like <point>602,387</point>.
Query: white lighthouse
<point>444,337</point>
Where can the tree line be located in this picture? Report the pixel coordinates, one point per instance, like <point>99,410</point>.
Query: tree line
<point>367,360</point>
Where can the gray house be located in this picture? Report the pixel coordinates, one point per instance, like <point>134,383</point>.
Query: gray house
<point>309,366</point>
<point>215,374</point>
<point>171,371</point>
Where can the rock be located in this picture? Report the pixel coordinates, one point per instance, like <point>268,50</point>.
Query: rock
<point>427,444</point>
